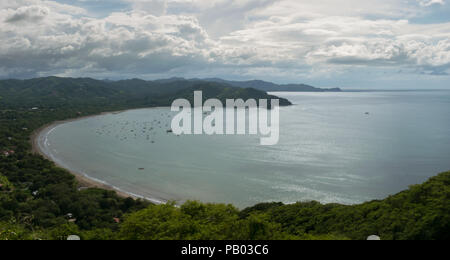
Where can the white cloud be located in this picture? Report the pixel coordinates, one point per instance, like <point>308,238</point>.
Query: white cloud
<point>133,42</point>
<point>51,5</point>
<point>431,2</point>
<point>200,37</point>
<point>344,41</point>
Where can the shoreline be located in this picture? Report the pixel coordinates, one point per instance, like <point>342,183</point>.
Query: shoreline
<point>84,181</point>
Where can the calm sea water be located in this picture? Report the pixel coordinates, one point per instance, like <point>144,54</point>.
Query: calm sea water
<point>330,150</point>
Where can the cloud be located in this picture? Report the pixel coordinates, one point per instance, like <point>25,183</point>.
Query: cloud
<point>431,2</point>
<point>133,42</point>
<point>51,5</point>
<point>384,52</point>
<point>345,41</point>
<point>28,14</point>
<point>245,38</point>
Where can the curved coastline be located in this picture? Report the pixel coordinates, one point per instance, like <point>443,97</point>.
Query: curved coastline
<point>39,141</point>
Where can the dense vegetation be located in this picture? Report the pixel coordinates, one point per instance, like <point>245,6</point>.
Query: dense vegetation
<point>63,93</point>
<point>421,212</point>
<point>41,201</point>
<point>272,87</point>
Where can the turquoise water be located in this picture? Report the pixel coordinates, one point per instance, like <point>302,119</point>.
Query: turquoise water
<point>330,150</point>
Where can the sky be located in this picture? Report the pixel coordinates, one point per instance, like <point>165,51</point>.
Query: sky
<point>383,44</point>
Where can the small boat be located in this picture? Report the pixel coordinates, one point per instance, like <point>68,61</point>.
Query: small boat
<point>169,131</point>
<point>141,169</point>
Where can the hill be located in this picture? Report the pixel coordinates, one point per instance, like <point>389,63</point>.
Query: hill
<point>54,92</point>
<point>420,213</point>
<point>272,87</point>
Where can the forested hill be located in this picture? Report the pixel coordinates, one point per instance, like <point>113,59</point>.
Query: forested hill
<point>272,87</point>
<point>53,92</point>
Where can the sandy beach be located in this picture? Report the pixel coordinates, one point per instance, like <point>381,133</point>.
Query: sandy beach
<point>83,181</point>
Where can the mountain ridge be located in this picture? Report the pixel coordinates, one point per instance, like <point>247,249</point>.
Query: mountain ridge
<point>273,87</point>
<point>255,83</point>
<point>56,92</point>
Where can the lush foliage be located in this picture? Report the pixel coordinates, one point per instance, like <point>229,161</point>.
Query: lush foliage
<point>422,212</point>
<point>69,93</point>
<point>196,221</point>
<point>41,201</point>
<point>272,87</point>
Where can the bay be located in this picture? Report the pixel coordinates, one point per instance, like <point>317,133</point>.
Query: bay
<point>346,147</point>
